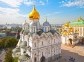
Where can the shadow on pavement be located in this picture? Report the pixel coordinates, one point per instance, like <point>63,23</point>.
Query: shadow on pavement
<point>67,55</point>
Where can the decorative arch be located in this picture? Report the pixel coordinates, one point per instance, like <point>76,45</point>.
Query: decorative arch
<point>42,59</point>
<point>70,40</point>
<point>35,59</point>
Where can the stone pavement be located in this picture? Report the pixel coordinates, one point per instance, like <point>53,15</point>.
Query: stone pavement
<point>76,52</point>
<point>68,52</point>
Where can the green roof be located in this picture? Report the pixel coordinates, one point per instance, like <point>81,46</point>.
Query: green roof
<point>80,22</point>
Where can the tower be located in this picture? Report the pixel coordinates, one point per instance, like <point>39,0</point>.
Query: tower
<point>34,20</point>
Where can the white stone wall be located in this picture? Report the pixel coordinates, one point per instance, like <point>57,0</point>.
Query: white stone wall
<point>45,45</point>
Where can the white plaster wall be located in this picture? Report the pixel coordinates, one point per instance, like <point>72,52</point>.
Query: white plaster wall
<point>63,40</point>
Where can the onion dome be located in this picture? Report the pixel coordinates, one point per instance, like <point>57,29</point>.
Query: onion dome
<point>67,24</point>
<point>80,19</point>
<point>70,29</point>
<point>46,23</point>
<point>34,14</point>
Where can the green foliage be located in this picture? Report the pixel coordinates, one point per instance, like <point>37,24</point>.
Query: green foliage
<point>8,42</point>
<point>15,59</point>
<point>1,44</point>
<point>8,56</point>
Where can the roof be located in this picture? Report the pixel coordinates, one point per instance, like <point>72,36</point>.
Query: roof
<point>34,14</point>
<point>46,23</point>
<point>79,22</point>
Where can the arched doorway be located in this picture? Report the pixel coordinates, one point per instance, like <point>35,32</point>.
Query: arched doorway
<point>35,60</point>
<point>82,41</point>
<point>42,59</point>
<point>70,41</point>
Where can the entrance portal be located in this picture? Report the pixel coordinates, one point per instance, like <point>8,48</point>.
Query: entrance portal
<point>70,41</point>
<point>42,59</point>
<point>35,59</point>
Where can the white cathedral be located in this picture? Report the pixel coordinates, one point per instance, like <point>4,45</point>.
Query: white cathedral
<point>37,43</point>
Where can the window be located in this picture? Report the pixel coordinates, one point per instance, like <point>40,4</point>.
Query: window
<point>35,44</point>
<point>54,50</point>
<point>54,40</point>
<point>35,59</point>
<point>42,53</point>
<point>24,52</point>
<point>42,42</point>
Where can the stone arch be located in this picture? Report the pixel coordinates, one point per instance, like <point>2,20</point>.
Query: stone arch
<point>70,40</point>
<point>42,59</point>
<point>35,59</point>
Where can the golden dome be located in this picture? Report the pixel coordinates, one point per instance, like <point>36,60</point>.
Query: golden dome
<point>80,18</point>
<point>70,29</point>
<point>34,14</point>
<point>67,24</point>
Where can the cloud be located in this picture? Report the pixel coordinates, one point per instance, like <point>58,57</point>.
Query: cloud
<point>10,15</point>
<point>73,3</point>
<point>12,3</point>
<point>12,12</point>
<point>17,3</point>
<point>35,2</point>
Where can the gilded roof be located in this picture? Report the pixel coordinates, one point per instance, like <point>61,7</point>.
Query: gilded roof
<point>79,22</point>
<point>34,14</point>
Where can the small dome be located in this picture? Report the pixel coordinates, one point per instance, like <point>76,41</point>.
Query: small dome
<point>34,14</point>
<point>67,24</point>
<point>46,23</point>
<point>25,23</point>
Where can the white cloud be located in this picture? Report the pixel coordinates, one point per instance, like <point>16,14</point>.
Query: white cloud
<point>73,3</point>
<point>35,2</point>
<point>12,3</point>
<point>17,3</point>
<point>11,15</point>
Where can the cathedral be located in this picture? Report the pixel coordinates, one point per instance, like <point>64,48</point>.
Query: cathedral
<point>72,31</point>
<point>37,43</point>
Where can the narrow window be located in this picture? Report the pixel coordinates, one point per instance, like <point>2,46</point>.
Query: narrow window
<point>42,42</point>
<point>35,44</point>
<point>54,40</point>
<point>35,59</point>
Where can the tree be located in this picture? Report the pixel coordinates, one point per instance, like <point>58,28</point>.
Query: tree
<point>8,56</point>
<point>1,44</point>
<point>11,42</point>
<point>15,59</point>
<point>8,42</point>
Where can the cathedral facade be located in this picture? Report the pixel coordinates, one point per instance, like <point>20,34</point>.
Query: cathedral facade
<point>72,31</point>
<point>37,43</point>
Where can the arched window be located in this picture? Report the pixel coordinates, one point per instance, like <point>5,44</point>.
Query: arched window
<point>54,40</point>
<point>35,44</point>
<point>35,60</point>
<point>42,42</point>
<point>42,59</point>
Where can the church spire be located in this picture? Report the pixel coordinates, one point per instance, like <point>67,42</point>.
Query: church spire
<point>46,19</point>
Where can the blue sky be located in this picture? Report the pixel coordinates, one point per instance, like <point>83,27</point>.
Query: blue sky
<point>56,11</point>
